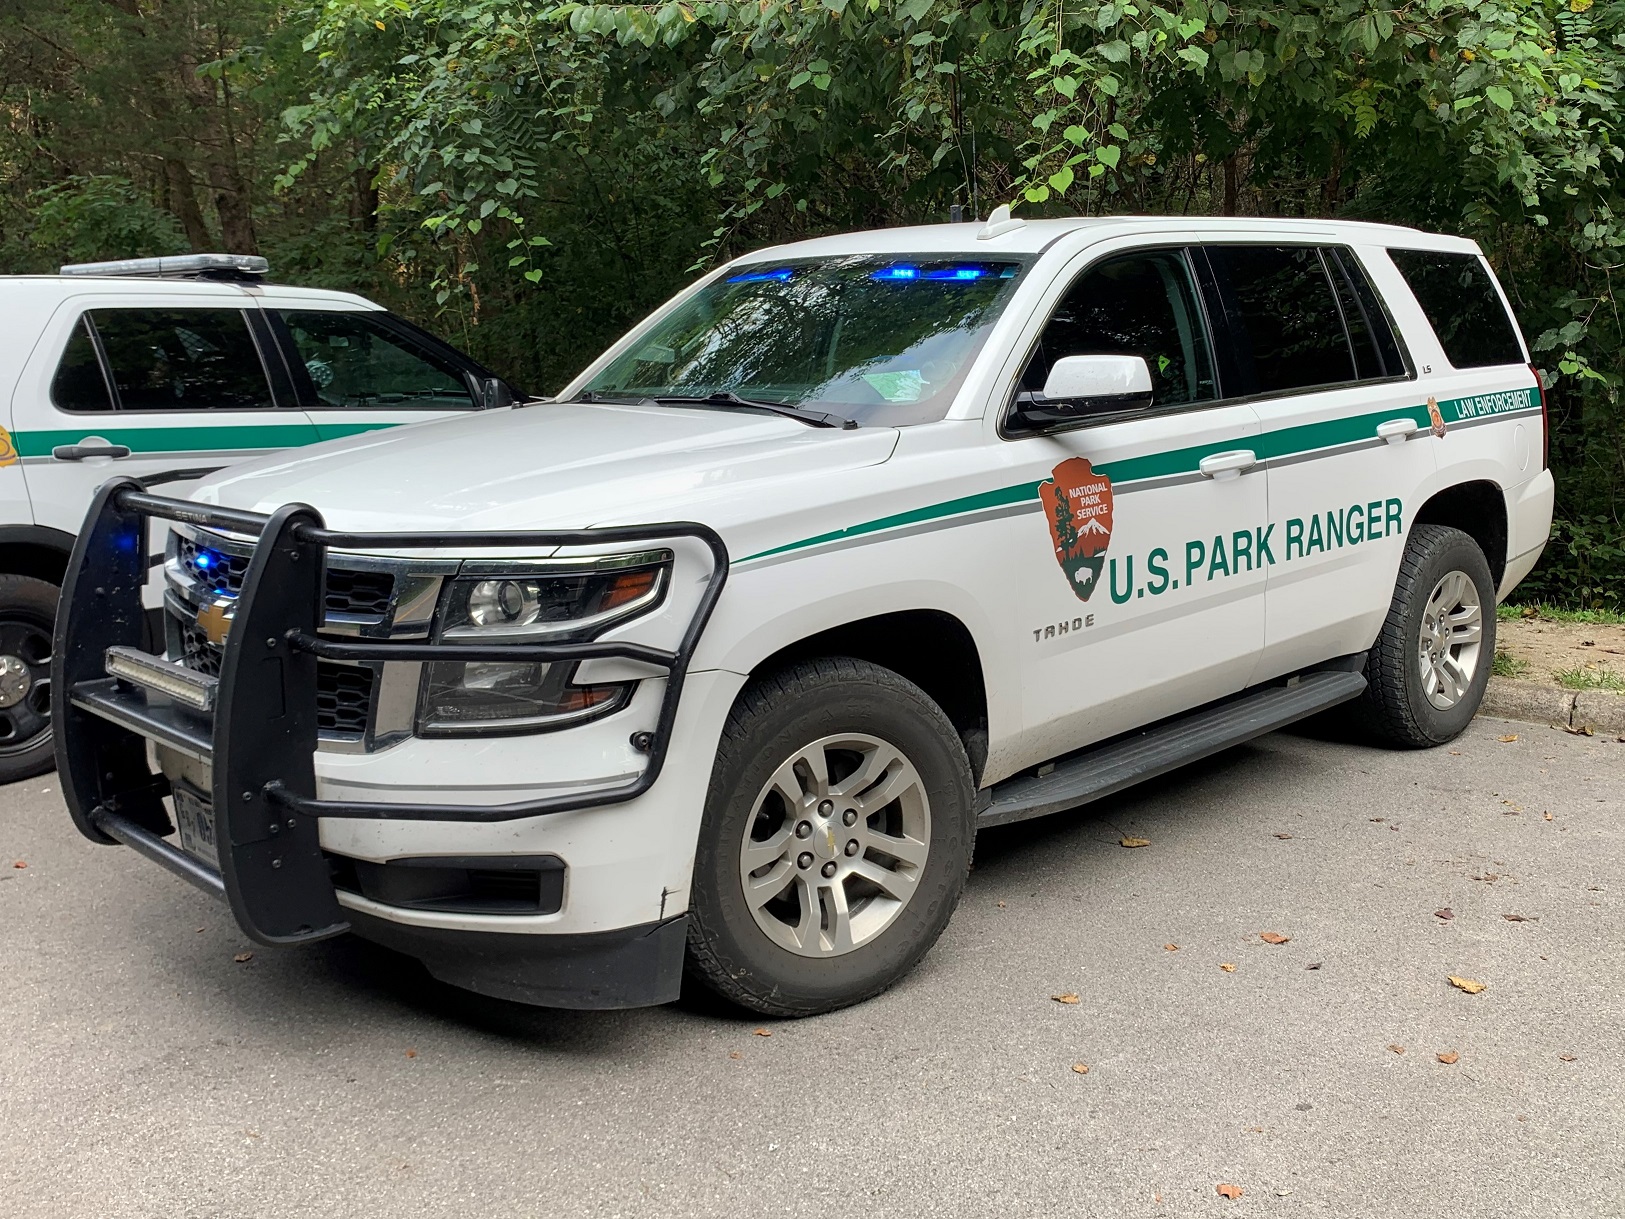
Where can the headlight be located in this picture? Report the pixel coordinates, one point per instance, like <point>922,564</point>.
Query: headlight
<point>505,603</point>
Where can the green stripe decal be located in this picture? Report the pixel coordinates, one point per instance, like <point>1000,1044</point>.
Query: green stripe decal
<point>173,439</point>
<point>1282,442</point>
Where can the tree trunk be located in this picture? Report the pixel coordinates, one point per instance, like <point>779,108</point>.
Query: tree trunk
<point>1231,187</point>
<point>232,204</point>
<point>183,203</point>
<point>366,198</point>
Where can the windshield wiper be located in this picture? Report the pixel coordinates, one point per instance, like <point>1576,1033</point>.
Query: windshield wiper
<point>729,398</point>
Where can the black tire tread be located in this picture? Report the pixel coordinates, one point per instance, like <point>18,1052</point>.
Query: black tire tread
<point>802,680</point>
<point>40,595</point>
<point>1385,710</point>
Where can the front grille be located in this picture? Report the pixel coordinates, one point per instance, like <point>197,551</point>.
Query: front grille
<point>221,573</point>
<point>343,692</point>
<point>343,697</point>
<point>197,652</point>
<point>358,592</point>
<point>365,594</point>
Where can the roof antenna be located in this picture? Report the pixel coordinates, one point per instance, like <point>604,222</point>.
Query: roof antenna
<point>1000,223</point>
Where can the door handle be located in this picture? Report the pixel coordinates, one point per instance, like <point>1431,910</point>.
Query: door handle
<point>1220,466</point>
<point>1398,431</point>
<point>92,448</point>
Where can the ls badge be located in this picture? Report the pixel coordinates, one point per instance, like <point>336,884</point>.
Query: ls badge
<point>1078,504</point>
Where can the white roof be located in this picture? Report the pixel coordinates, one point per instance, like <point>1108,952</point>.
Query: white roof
<point>1035,236</point>
<point>40,289</point>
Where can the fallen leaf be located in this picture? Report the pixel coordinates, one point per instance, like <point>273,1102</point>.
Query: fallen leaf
<point>1398,1049</point>
<point>1312,965</point>
<point>1489,876</point>
<point>411,1053</point>
<point>1447,913</point>
<point>1274,937</point>
<point>1515,918</point>
<point>762,1032</point>
<point>1000,905</point>
<point>1581,730</point>
<point>1081,1068</point>
<point>1377,819</point>
<point>1134,842</point>
<point>243,956</point>
<point>1565,1058</point>
<point>1455,753</point>
<point>1228,968</point>
<point>1466,984</point>
<point>1448,1057</point>
<point>1069,997</point>
<point>199,929</point>
<point>1226,1190</point>
<point>21,863</point>
<point>1548,816</point>
<point>735,1055</point>
<point>1170,947</point>
<point>1254,1130</point>
<point>1283,836</point>
<point>1507,740</point>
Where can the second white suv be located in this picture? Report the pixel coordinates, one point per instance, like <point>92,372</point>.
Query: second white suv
<point>151,367</point>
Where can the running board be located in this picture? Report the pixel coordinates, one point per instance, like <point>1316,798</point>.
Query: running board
<point>1121,763</point>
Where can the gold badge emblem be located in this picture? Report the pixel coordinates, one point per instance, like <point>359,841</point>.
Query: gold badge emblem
<point>215,622</point>
<point>1437,417</point>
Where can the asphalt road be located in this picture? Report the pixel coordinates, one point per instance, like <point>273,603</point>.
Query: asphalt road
<point>143,1072</point>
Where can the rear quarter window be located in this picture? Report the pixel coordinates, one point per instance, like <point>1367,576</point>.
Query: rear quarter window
<point>1459,299</point>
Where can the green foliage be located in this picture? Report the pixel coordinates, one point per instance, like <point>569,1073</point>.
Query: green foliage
<point>90,219</point>
<point>532,176</point>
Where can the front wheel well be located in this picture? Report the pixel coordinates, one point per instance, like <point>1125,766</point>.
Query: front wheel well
<point>33,559</point>
<point>930,648</point>
<point>1479,510</point>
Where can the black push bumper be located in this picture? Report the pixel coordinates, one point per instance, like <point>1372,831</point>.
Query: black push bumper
<point>255,725</point>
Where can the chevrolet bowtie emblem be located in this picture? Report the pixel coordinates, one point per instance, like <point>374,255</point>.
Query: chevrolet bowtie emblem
<point>215,622</point>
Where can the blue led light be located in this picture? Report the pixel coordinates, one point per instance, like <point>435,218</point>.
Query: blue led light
<point>956,273</point>
<point>204,559</point>
<point>898,272</point>
<point>755,277</point>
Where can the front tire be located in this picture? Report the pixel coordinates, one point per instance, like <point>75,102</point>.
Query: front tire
<point>836,839</point>
<point>27,621</point>
<point>1427,671</point>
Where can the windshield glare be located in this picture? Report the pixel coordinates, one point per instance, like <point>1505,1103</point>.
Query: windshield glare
<point>882,341</point>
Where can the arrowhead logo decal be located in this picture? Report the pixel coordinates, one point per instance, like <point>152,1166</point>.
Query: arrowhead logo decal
<point>1078,505</point>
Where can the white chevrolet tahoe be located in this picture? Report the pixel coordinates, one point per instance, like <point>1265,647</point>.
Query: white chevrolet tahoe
<point>162,369</point>
<point>714,665</point>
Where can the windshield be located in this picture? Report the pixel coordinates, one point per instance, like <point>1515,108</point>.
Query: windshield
<point>882,341</point>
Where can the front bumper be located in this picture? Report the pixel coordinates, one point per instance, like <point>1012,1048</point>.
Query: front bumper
<point>258,737</point>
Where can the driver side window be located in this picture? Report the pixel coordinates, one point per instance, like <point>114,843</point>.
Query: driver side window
<point>1142,304</point>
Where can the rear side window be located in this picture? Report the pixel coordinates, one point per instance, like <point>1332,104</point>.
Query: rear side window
<point>1371,336</point>
<point>1461,303</point>
<point>1283,317</point>
<point>181,359</point>
<point>79,384</point>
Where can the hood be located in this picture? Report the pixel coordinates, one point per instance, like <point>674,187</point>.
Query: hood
<point>547,466</point>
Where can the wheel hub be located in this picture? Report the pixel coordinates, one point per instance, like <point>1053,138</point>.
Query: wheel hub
<point>16,680</point>
<point>1451,640</point>
<point>835,845</point>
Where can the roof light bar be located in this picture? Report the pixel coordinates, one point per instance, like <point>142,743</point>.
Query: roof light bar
<point>234,266</point>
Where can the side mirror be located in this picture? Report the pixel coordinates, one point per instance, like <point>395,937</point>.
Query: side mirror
<point>1081,386</point>
<point>494,392</point>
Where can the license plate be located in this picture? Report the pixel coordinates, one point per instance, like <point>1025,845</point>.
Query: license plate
<point>194,813</point>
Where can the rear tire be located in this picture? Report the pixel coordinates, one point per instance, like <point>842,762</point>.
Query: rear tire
<point>27,620</point>
<point>836,839</point>
<point>1427,671</point>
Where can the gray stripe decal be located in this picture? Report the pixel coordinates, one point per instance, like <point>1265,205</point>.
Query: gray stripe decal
<point>1223,596</point>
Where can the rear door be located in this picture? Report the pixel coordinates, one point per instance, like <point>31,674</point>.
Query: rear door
<point>1345,439</point>
<point>138,386</point>
<point>356,370</point>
